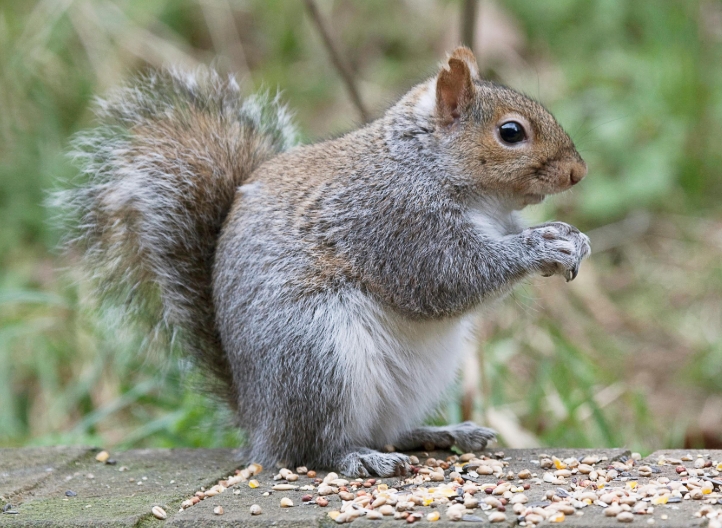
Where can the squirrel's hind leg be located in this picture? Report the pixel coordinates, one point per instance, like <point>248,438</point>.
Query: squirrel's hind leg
<point>363,462</point>
<point>467,436</point>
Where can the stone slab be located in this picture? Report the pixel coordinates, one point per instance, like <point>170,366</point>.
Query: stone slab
<point>22,469</point>
<point>115,498</point>
<point>121,494</point>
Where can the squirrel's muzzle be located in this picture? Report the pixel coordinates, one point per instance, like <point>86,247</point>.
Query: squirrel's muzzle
<point>577,171</point>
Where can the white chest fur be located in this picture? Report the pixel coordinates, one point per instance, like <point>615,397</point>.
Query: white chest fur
<point>396,370</point>
<point>493,219</point>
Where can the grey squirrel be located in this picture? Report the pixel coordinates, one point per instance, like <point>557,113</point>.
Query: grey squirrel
<point>327,288</point>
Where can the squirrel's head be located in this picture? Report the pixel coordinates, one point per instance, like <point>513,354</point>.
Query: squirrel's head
<point>507,143</point>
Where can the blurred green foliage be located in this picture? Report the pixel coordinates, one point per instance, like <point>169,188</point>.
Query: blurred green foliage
<point>637,84</point>
<point>643,85</point>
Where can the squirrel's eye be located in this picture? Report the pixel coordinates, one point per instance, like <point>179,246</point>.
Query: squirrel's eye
<point>512,132</point>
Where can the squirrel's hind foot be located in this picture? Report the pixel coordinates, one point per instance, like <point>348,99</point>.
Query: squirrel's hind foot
<point>365,462</point>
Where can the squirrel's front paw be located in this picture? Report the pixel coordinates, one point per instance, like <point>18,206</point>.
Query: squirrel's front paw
<point>558,248</point>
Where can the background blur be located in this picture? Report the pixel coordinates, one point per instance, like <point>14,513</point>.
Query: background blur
<point>629,354</point>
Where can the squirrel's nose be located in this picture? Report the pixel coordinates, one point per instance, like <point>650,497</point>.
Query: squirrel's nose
<point>577,172</point>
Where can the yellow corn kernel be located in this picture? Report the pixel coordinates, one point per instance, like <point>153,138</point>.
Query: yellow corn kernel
<point>557,517</point>
<point>253,484</point>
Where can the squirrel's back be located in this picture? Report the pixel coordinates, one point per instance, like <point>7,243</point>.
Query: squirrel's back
<point>159,175</point>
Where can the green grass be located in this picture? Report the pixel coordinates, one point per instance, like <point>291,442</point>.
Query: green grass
<point>629,354</point>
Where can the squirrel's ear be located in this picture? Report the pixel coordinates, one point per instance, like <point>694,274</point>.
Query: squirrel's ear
<point>454,87</point>
<point>465,54</point>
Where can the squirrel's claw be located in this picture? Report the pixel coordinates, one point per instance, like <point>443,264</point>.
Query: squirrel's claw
<point>571,274</point>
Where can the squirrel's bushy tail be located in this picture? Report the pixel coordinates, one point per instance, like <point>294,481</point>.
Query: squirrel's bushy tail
<point>159,175</point>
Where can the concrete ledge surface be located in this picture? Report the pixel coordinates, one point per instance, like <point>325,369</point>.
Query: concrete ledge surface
<point>67,486</point>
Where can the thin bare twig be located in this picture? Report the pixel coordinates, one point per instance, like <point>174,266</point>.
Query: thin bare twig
<point>342,68</point>
<point>224,34</point>
<point>156,50</point>
<point>606,237</point>
<point>468,23</point>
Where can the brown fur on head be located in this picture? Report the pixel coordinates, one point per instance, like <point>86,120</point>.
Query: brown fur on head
<point>472,111</point>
